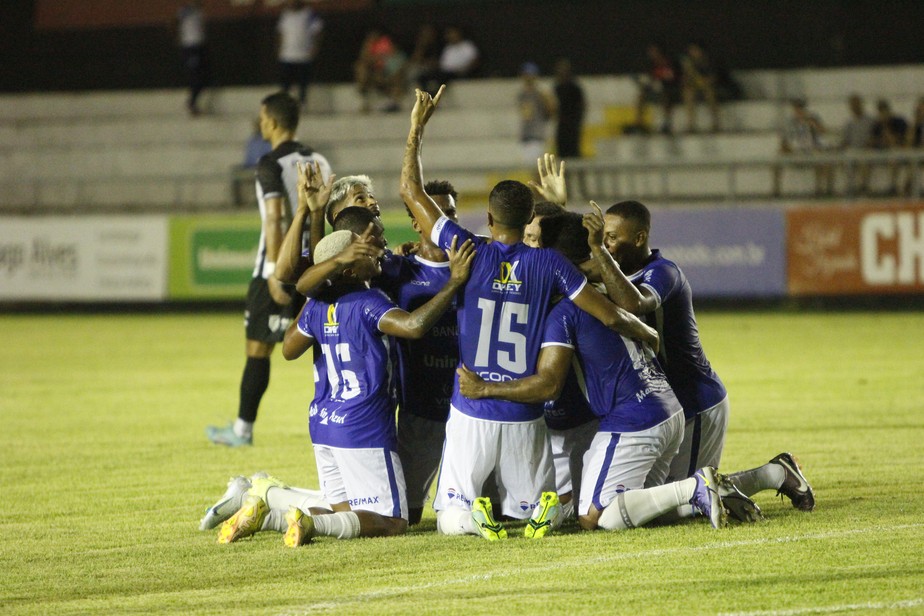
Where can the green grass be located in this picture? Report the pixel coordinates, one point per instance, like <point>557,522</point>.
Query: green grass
<point>106,472</point>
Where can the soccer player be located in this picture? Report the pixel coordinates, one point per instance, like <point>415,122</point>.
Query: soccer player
<point>641,421</point>
<point>351,419</point>
<point>270,306</point>
<point>501,317</point>
<point>650,285</point>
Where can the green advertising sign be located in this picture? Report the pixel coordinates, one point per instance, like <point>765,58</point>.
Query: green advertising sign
<point>212,257</point>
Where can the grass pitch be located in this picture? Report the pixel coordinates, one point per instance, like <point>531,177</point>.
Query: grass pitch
<point>106,472</point>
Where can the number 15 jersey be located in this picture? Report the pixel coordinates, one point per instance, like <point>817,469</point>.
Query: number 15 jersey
<point>502,312</point>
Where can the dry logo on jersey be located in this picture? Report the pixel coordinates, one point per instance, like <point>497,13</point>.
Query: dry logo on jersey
<point>331,326</point>
<point>507,279</point>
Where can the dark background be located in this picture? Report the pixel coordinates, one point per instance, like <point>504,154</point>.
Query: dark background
<point>599,37</point>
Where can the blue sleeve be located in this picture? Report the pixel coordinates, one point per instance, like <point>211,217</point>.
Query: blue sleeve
<point>375,306</point>
<point>663,279</point>
<point>304,319</point>
<point>569,281</point>
<point>559,326</point>
<point>445,229</point>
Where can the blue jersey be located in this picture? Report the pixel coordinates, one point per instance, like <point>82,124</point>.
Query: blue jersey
<point>354,403</point>
<point>688,371</point>
<point>502,311</point>
<point>571,409</point>
<point>426,367</point>
<point>621,378</point>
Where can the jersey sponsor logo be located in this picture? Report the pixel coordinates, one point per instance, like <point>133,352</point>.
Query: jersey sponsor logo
<point>364,500</point>
<point>444,331</point>
<point>453,494</point>
<point>331,326</point>
<point>507,279</point>
<point>444,361</point>
<point>332,418</point>
<point>495,377</point>
<point>420,283</point>
<point>524,506</point>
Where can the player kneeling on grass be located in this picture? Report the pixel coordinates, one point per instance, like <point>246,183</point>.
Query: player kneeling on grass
<point>352,416</point>
<point>641,420</point>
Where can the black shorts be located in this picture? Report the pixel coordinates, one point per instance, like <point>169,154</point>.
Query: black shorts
<point>264,319</point>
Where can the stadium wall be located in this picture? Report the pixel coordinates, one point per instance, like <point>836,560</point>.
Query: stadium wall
<point>748,253</point>
<point>42,53</point>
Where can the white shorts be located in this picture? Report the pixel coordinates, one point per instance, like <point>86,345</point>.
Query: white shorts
<point>568,448</point>
<point>519,454</point>
<point>703,441</point>
<point>617,462</point>
<point>367,479</point>
<point>420,447</point>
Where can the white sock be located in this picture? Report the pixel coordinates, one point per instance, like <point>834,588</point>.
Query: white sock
<point>455,521</point>
<point>243,429</point>
<point>767,477</point>
<point>275,520</point>
<point>637,507</point>
<point>282,498</point>
<point>342,525</point>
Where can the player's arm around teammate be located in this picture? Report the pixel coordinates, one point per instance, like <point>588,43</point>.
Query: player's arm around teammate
<point>313,194</point>
<point>546,384</point>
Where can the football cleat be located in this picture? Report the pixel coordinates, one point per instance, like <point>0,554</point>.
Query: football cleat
<point>229,502</point>
<point>301,528</point>
<point>706,497</point>
<point>247,521</point>
<point>483,516</point>
<point>738,506</point>
<point>544,516</point>
<point>260,485</point>
<point>226,436</point>
<point>795,487</point>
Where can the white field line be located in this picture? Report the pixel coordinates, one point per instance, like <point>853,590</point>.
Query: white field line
<point>830,609</point>
<point>610,557</point>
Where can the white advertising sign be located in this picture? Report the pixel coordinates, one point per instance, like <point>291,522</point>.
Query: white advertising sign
<point>86,258</point>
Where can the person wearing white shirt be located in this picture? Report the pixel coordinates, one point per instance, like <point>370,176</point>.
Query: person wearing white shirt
<point>299,33</point>
<point>190,26</point>
<point>458,59</point>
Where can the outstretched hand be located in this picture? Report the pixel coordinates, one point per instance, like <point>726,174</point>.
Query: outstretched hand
<point>460,260</point>
<point>551,185</point>
<point>425,105</point>
<point>470,384</point>
<point>313,191</point>
<point>593,222</point>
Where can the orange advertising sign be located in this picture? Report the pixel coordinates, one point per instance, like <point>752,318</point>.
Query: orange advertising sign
<point>856,249</point>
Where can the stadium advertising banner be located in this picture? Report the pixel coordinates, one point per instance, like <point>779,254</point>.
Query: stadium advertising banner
<point>90,258</point>
<point>856,249</point>
<point>725,252</point>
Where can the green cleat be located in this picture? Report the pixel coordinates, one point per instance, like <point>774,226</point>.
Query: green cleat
<point>483,516</point>
<point>247,521</point>
<point>544,517</point>
<point>301,528</point>
<point>226,436</point>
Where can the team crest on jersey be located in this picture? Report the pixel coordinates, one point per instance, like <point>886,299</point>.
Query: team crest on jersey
<point>507,280</point>
<point>331,326</point>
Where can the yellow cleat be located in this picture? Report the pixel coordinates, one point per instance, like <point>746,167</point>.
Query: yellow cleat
<point>301,528</point>
<point>247,521</point>
<point>483,516</point>
<point>544,517</point>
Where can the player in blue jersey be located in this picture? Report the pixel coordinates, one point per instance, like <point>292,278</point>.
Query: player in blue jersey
<point>351,419</point>
<point>641,422</point>
<point>654,287</point>
<point>501,315</point>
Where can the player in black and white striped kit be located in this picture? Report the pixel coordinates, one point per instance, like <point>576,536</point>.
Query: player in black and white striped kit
<point>271,306</point>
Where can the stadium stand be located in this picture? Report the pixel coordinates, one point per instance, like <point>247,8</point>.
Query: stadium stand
<point>130,149</point>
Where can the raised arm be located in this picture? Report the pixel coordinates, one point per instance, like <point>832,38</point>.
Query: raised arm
<point>417,323</point>
<point>320,275</point>
<point>619,288</point>
<point>422,207</point>
<point>614,317</point>
<point>313,194</point>
<point>551,186</point>
<point>545,384</point>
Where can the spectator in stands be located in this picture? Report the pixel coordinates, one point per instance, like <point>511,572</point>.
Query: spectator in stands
<point>889,133</point>
<point>857,136</point>
<point>459,58</point>
<point>699,81</point>
<point>802,134</point>
<point>425,59</point>
<point>380,68</point>
<point>536,108</point>
<point>571,106</point>
<point>661,85</point>
<point>190,25</point>
<point>299,32</point>
<point>915,139</point>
